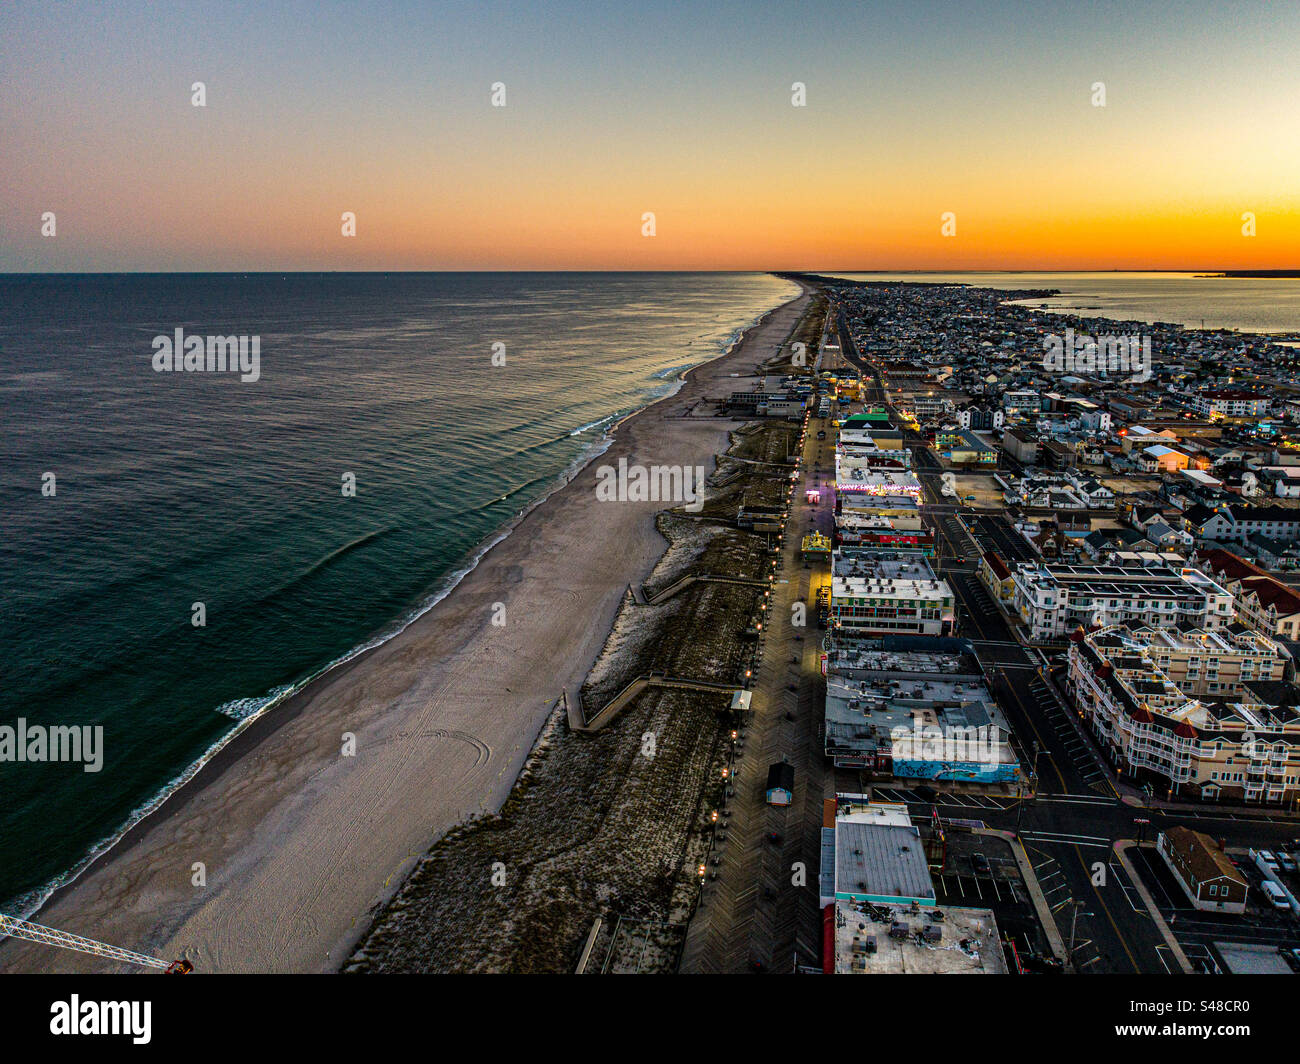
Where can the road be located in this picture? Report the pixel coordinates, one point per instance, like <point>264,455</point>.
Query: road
<point>1075,815</point>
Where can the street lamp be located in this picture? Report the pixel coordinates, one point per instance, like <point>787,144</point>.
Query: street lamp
<point>1033,784</point>
<point>1074,920</point>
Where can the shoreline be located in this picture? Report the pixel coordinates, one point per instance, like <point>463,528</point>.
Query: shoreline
<point>273,700</point>
<point>87,904</point>
<point>446,585</point>
<point>1036,304</point>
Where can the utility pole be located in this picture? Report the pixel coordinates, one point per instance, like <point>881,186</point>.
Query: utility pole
<point>1033,784</point>
<point>1074,921</point>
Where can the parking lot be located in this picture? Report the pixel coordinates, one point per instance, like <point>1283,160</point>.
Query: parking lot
<point>1200,933</point>
<point>980,872</point>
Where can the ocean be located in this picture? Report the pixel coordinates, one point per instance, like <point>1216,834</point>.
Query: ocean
<point>1259,305</point>
<point>302,516</point>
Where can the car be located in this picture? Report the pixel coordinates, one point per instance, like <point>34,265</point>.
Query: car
<point>1286,861</point>
<point>980,863</point>
<point>1266,856</point>
<point>1274,894</point>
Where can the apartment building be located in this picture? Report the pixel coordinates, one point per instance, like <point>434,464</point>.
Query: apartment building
<point>1020,445</point>
<point>1053,600</point>
<point>1214,663</point>
<point>1022,402</point>
<point>1241,746</point>
<point>1260,600</point>
<point>1230,404</point>
<point>981,418</point>
<point>1236,524</point>
<point>927,406</point>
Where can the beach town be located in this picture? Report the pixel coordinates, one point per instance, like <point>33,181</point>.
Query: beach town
<point>890,596</point>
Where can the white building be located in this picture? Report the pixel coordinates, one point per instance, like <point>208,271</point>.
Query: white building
<point>1022,401</point>
<point>1196,714</point>
<point>889,593</point>
<point>853,477</point>
<point>1231,404</point>
<point>1053,600</point>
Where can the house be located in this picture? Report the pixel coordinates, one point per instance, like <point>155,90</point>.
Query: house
<point>1161,459</point>
<point>1105,540</point>
<point>780,784</point>
<point>1162,537</point>
<point>1095,492</point>
<point>964,448</point>
<point>995,576</point>
<point>1274,554</point>
<point>1208,877</point>
<point>1205,523</point>
<point>980,418</point>
<point>1139,436</point>
<point>1141,516</point>
<point>1059,540</point>
<point>1285,480</point>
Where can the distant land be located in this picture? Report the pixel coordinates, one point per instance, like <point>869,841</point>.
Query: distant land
<point>1256,273</point>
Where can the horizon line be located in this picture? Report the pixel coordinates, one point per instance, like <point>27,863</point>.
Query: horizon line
<point>1210,271</point>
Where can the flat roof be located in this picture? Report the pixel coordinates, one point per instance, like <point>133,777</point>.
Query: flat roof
<point>1248,958</point>
<point>847,587</point>
<point>966,941</point>
<point>880,860</point>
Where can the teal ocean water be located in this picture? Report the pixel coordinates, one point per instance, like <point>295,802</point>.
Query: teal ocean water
<point>172,489</point>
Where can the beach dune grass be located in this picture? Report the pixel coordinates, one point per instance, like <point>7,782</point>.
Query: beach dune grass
<point>605,824</point>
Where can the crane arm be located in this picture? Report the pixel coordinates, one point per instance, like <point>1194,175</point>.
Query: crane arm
<point>10,925</point>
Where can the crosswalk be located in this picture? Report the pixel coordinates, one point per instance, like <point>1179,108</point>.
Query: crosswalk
<point>1063,838</point>
<point>960,801</point>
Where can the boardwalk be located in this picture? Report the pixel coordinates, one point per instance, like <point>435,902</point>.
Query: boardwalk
<point>753,914</point>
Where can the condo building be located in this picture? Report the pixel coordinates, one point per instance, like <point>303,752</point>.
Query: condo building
<point>1230,730</point>
<point>1053,600</point>
<point>1261,601</point>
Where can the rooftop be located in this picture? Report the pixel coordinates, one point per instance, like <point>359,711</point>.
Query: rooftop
<point>881,860</point>
<point>960,941</point>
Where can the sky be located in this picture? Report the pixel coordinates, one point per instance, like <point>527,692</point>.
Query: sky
<point>914,112</point>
